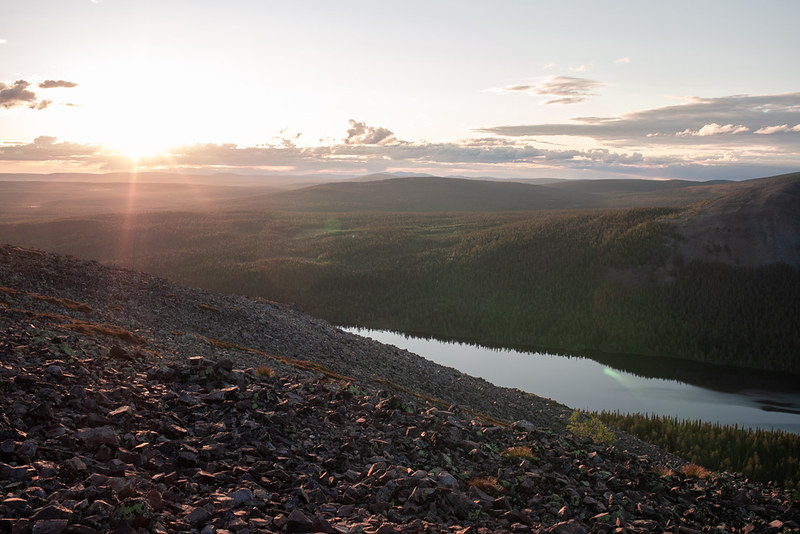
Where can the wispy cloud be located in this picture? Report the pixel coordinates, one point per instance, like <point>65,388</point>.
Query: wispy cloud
<point>565,89</point>
<point>50,84</point>
<point>622,60</point>
<point>17,95</point>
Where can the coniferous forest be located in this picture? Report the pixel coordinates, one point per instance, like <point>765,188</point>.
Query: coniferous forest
<point>762,455</point>
<point>571,282</point>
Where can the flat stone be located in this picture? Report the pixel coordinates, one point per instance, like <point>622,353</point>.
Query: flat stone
<point>16,473</point>
<point>50,526</point>
<point>52,511</point>
<point>15,504</point>
<point>102,435</point>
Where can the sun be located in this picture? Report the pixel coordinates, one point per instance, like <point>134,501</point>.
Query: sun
<point>138,145</point>
<point>138,151</point>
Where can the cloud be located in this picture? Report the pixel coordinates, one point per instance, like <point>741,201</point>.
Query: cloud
<point>622,60</point>
<point>361,134</point>
<point>714,129</point>
<point>680,124</point>
<point>769,130</point>
<point>3,41</point>
<point>367,149</point>
<point>18,95</point>
<point>567,89</point>
<point>46,148</point>
<point>49,84</point>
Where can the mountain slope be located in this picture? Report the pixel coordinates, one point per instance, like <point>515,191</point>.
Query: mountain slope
<point>756,223</point>
<point>108,425</point>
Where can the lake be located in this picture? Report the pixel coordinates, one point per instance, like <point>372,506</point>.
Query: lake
<point>629,384</point>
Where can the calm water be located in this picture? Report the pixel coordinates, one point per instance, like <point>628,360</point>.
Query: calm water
<point>732,397</point>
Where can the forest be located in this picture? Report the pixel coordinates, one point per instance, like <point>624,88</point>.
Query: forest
<point>573,281</point>
<point>762,455</point>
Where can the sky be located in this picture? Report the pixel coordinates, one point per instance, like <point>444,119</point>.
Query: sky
<point>700,90</point>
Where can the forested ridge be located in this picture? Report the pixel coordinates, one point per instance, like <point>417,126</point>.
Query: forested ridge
<point>567,281</point>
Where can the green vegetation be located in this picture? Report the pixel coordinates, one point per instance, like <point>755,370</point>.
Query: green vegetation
<point>589,426</point>
<point>761,455</point>
<point>569,281</point>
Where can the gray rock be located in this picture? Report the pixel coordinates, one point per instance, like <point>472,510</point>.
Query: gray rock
<point>197,516</point>
<point>523,425</point>
<point>103,435</point>
<point>241,496</point>
<point>50,526</point>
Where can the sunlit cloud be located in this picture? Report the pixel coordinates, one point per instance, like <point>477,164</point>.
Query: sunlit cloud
<point>714,129</point>
<point>566,89</point>
<point>49,84</point>
<point>3,41</point>
<point>622,60</point>
<point>361,134</point>
<point>768,130</point>
<point>369,149</point>
<point>17,95</point>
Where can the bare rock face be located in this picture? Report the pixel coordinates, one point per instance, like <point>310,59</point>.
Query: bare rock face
<point>756,224</point>
<point>196,434</point>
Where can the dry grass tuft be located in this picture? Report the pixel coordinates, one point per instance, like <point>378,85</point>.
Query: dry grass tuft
<point>488,485</point>
<point>66,303</point>
<point>665,471</point>
<point>299,364</point>
<point>264,370</point>
<point>694,470</point>
<point>520,452</point>
<point>110,330</point>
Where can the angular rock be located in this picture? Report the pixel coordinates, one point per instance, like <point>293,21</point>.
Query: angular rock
<point>103,435</point>
<point>298,522</point>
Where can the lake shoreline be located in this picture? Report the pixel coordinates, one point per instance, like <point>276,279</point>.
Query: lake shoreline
<point>627,384</point>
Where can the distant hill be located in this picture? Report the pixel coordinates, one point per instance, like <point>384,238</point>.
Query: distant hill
<point>420,194</point>
<point>756,222</point>
<point>429,194</point>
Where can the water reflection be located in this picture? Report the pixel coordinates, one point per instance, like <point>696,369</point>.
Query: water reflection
<point>624,383</point>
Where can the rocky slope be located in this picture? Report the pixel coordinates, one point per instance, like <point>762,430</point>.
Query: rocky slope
<point>130,404</point>
<point>756,223</point>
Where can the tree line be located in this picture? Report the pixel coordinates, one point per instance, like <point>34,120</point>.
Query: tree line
<point>764,456</point>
